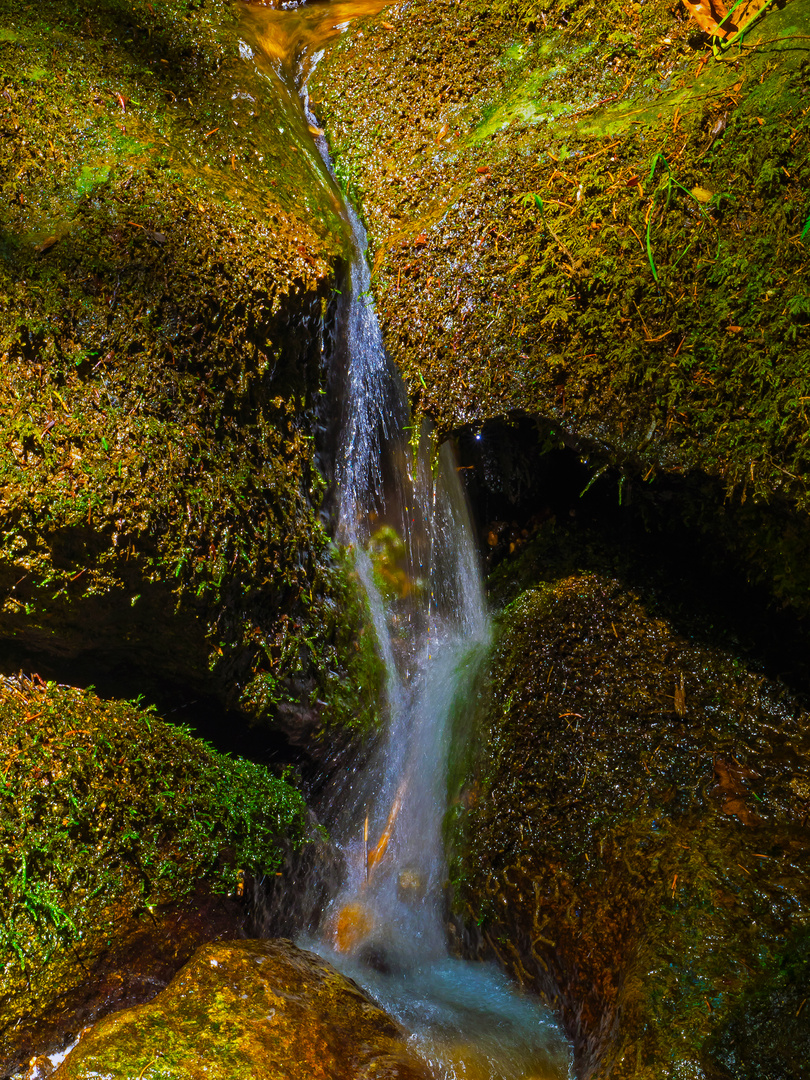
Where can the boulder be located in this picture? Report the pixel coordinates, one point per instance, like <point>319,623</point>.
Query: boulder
<point>168,246</point>
<point>580,215</point>
<point>634,841</point>
<point>126,843</point>
<point>240,1010</point>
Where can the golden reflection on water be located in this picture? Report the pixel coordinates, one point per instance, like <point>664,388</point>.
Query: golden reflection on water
<point>292,34</point>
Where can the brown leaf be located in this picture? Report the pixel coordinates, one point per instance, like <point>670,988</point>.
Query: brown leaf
<point>730,775</point>
<point>46,245</point>
<point>738,807</point>
<point>680,697</point>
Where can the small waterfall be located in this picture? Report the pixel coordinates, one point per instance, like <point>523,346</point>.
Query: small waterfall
<point>403,513</point>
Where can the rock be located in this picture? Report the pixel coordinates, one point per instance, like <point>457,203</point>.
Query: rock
<point>161,368</point>
<point>126,844</point>
<point>644,866</point>
<point>551,262</point>
<point>247,1009</point>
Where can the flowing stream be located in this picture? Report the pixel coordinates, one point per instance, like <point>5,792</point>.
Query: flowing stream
<point>403,513</point>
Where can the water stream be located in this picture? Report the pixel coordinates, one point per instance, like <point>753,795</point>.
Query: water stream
<point>403,514</point>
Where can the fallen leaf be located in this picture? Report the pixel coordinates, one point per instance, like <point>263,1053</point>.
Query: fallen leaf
<point>680,697</point>
<point>730,774</point>
<point>738,807</point>
<point>46,245</point>
<point>387,26</point>
<point>702,194</point>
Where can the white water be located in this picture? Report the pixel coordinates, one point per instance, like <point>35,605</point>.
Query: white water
<point>386,926</point>
<point>403,513</point>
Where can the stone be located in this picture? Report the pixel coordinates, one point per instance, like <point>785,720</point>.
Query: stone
<point>643,865</point>
<point>247,1009</point>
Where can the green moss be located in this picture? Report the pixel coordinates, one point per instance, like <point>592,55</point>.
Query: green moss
<point>329,658</point>
<point>529,198</point>
<point>107,815</point>
<point>607,863</point>
<point>103,799</point>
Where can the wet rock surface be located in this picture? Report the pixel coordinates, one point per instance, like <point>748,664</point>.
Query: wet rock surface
<point>126,843</point>
<point>247,1009</point>
<point>636,837</point>
<point>584,217</point>
<point>168,246</point>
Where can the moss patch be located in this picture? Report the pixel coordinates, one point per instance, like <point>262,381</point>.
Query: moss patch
<point>637,832</point>
<point>108,813</point>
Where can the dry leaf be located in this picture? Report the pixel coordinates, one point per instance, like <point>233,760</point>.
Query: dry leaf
<point>680,697</point>
<point>702,194</point>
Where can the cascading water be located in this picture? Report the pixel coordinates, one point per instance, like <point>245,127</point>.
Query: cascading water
<point>403,513</point>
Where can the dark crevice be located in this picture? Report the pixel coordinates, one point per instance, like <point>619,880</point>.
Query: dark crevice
<point>675,540</point>
<point>115,677</point>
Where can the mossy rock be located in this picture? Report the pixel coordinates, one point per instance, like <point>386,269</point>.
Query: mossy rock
<point>580,215</point>
<point>126,843</point>
<point>169,241</point>
<point>634,842</point>
<point>240,1010</point>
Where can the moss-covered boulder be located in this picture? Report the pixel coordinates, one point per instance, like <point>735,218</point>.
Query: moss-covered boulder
<point>168,244</point>
<point>241,1010</point>
<point>580,214</point>
<point>125,844</point>
<point>635,841</point>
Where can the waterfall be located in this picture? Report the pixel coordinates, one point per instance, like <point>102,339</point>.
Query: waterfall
<point>403,514</point>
